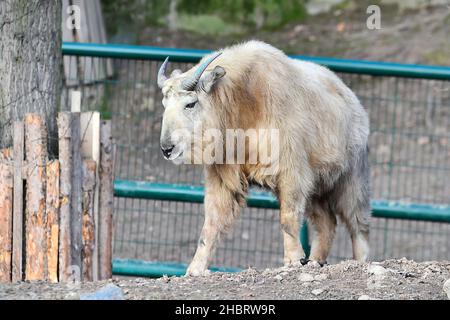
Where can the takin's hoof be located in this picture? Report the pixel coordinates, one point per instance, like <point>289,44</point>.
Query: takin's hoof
<point>304,261</point>
<point>197,272</point>
<point>313,263</point>
<point>290,263</point>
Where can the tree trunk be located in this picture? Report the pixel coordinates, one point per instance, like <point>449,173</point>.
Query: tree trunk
<point>30,64</point>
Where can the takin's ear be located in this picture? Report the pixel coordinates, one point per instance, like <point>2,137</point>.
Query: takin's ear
<point>210,78</point>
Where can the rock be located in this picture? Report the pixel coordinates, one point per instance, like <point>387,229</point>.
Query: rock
<point>377,270</point>
<point>297,264</point>
<point>447,288</point>
<point>321,277</point>
<point>278,277</point>
<point>314,264</point>
<point>364,297</point>
<point>72,296</point>
<point>434,268</point>
<point>305,277</point>
<point>316,292</point>
<point>108,292</point>
<point>403,260</point>
<point>139,280</point>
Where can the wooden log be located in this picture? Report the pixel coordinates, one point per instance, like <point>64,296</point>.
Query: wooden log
<point>75,100</point>
<point>90,149</point>
<point>65,188</point>
<point>35,213</point>
<point>52,207</point>
<point>76,195</point>
<point>17,241</point>
<point>105,201</point>
<point>6,215</point>
<point>88,229</point>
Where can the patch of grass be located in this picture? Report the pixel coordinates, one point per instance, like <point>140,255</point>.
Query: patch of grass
<point>343,6</point>
<point>447,19</point>
<point>439,56</point>
<point>207,24</point>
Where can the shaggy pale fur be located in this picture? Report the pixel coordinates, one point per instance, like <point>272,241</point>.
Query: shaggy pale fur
<point>323,168</point>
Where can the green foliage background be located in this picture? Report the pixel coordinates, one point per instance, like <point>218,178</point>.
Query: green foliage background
<point>226,16</point>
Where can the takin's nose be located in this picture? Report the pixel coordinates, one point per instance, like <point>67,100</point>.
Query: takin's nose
<point>167,150</point>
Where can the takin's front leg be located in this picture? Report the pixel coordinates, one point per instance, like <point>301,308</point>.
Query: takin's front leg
<point>290,226</point>
<point>292,207</point>
<point>292,192</point>
<point>220,212</point>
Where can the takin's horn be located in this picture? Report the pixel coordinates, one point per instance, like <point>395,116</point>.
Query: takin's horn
<point>162,73</point>
<point>189,84</point>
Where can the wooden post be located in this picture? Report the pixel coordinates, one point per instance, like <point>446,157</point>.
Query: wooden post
<point>65,160</point>
<point>88,229</point>
<point>36,239</point>
<point>60,223</point>
<point>105,201</point>
<point>17,241</point>
<point>90,149</point>
<point>6,215</point>
<point>52,207</point>
<point>76,195</point>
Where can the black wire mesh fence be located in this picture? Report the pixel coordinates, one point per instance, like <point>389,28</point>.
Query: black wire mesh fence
<point>409,154</point>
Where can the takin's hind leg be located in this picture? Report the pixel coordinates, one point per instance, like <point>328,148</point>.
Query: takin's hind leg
<point>355,214</point>
<point>360,244</point>
<point>353,205</point>
<point>358,227</point>
<point>324,225</point>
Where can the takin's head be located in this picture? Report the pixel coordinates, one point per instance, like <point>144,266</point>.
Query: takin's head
<point>185,99</point>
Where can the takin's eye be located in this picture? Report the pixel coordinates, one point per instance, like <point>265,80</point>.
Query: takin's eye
<point>190,105</point>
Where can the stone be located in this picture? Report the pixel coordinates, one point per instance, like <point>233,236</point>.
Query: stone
<point>434,268</point>
<point>72,296</point>
<point>305,277</point>
<point>364,297</point>
<point>321,277</point>
<point>108,292</point>
<point>377,270</point>
<point>314,264</point>
<point>278,277</point>
<point>306,284</point>
<point>446,288</point>
<point>316,292</point>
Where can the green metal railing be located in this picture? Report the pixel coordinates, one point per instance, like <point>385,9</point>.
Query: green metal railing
<point>410,164</point>
<point>194,55</point>
<point>258,199</point>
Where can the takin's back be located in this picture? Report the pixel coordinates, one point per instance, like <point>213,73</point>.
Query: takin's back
<point>308,103</point>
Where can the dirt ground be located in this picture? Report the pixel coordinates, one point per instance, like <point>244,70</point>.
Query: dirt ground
<point>349,280</point>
